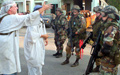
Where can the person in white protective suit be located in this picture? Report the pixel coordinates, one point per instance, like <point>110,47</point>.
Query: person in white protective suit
<point>34,47</point>
<point>10,23</point>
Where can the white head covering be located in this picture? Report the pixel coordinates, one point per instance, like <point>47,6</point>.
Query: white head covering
<point>5,7</point>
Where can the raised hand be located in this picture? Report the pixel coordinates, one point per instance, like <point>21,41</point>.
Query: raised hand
<point>47,6</point>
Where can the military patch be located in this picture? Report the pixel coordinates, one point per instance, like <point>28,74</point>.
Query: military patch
<point>74,23</point>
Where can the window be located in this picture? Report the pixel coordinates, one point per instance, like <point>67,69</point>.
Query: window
<point>38,3</point>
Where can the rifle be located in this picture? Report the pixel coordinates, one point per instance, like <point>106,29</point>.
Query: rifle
<point>71,36</point>
<point>94,54</point>
<point>86,40</point>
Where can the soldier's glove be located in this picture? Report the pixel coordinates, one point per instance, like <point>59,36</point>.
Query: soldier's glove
<point>106,50</point>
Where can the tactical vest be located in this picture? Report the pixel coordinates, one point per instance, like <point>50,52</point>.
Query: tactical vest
<point>115,49</point>
<point>76,24</point>
<point>58,20</point>
<point>59,24</point>
<point>96,28</point>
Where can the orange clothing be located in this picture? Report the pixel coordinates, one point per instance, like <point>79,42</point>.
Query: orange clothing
<point>68,18</point>
<point>90,20</point>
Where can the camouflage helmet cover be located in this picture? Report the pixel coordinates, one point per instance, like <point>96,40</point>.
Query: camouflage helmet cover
<point>59,9</point>
<point>76,7</point>
<point>110,9</point>
<point>112,16</point>
<point>97,9</point>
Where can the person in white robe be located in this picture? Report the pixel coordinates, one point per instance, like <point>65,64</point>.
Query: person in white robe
<point>34,47</point>
<point>10,23</point>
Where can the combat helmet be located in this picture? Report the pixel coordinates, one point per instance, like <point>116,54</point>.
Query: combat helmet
<point>110,9</point>
<point>76,7</point>
<point>111,12</point>
<point>97,9</point>
<point>59,9</point>
<point>112,16</point>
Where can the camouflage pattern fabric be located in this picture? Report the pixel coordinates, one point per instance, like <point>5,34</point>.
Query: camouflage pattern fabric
<point>61,26</point>
<point>110,9</point>
<point>68,52</point>
<point>96,27</point>
<point>97,9</point>
<point>78,25</point>
<point>108,66</point>
<point>76,7</point>
<point>59,9</point>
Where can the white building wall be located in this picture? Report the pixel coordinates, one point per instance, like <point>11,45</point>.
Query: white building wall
<point>22,5</point>
<point>31,6</point>
<point>34,2</point>
<point>53,2</point>
<point>94,4</point>
<point>1,3</point>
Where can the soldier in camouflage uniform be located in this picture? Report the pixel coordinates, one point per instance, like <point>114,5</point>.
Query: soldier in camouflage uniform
<point>60,26</point>
<point>96,26</point>
<point>109,41</point>
<point>78,26</point>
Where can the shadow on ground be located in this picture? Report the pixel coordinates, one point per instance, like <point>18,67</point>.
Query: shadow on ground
<point>53,65</point>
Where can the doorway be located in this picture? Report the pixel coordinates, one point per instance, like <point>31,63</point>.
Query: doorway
<point>79,2</point>
<point>54,8</point>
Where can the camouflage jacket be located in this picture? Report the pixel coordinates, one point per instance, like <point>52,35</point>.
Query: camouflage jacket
<point>61,25</point>
<point>78,24</point>
<point>96,27</point>
<point>110,42</point>
<point>110,37</point>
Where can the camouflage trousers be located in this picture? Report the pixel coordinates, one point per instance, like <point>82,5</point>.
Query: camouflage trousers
<point>59,41</point>
<point>108,67</point>
<point>75,46</point>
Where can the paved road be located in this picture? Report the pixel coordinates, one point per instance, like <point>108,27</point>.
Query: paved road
<point>52,65</point>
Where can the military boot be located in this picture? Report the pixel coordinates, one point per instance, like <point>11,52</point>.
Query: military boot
<point>65,62</point>
<point>56,53</point>
<point>59,55</point>
<point>96,69</point>
<point>76,63</point>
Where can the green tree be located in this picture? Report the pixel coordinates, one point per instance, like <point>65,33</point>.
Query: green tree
<point>115,3</point>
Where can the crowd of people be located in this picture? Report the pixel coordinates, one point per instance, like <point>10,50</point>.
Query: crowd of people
<point>36,38</point>
<point>106,22</point>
